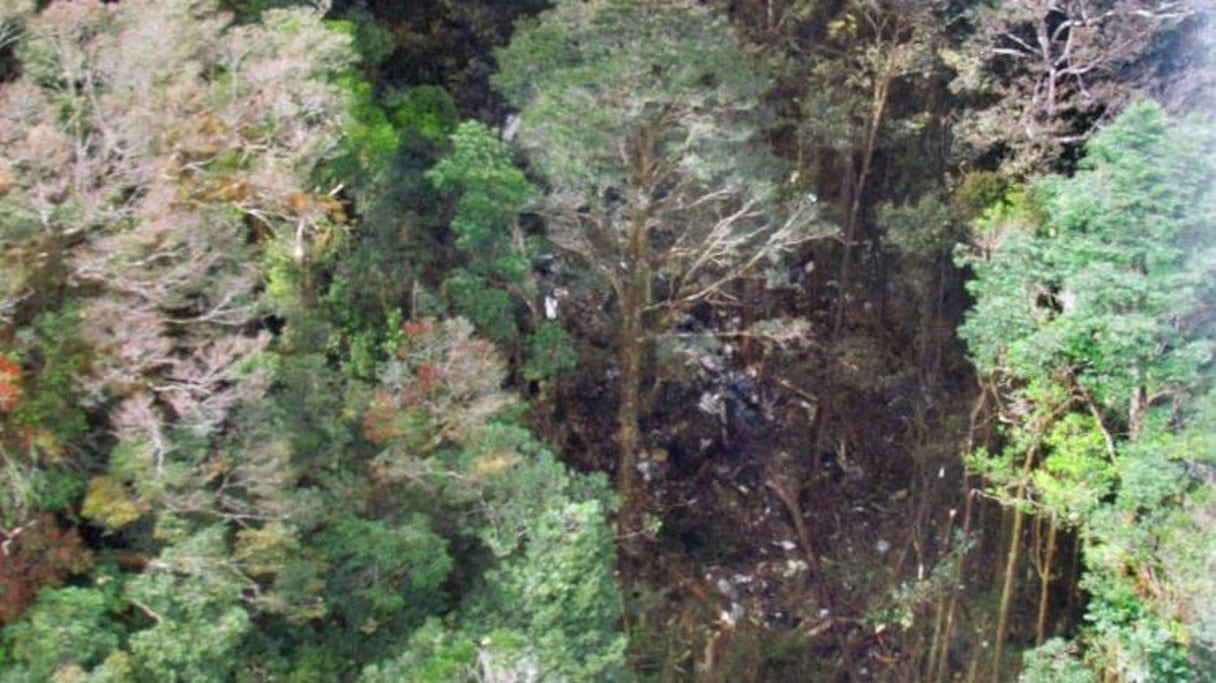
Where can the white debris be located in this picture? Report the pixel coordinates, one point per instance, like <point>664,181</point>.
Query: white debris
<point>736,612</point>
<point>710,403</point>
<point>882,546</point>
<point>729,619</point>
<point>793,568</point>
<point>647,469</point>
<point>727,589</point>
<point>510,127</point>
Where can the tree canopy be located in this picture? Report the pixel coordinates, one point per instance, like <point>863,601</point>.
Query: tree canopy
<point>607,340</point>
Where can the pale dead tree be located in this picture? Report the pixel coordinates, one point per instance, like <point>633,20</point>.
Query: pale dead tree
<point>156,154</point>
<point>1057,68</point>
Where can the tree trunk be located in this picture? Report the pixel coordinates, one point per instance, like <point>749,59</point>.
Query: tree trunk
<point>631,353</point>
<point>882,85</point>
<point>1040,631</point>
<point>1011,567</point>
<point>940,670</point>
<point>629,430</point>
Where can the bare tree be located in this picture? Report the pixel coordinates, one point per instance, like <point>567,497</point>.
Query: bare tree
<point>157,155</point>
<point>1056,68</point>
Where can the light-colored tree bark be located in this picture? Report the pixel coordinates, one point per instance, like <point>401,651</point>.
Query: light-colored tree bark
<point>1057,70</point>
<point>156,156</point>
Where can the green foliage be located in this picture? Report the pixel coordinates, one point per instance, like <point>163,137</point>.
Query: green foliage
<point>40,418</point>
<point>979,191</point>
<point>373,41</point>
<point>492,192</point>
<point>545,598</point>
<point>582,92</point>
<point>393,141</point>
<point>925,228</point>
<point>1055,661</point>
<point>1188,534</point>
<point>371,139</point>
<point>549,352</point>
<point>55,360</point>
<point>550,607</point>
<point>911,598</point>
<point>561,593</point>
<point>434,655</point>
<point>391,567</point>
<point>490,309</point>
<point>66,627</point>
<point>1090,300</point>
<point>193,598</point>
<point>518,480</point>
<point>442,389</point>
<point>1077,473</point>
<point>188,180</point>
<point>109,502</point>
<point>1103,286</point>
<point>378,125</point>
<point>427,109</point>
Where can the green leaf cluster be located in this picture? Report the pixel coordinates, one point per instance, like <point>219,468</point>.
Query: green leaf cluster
<point>1090,297</point>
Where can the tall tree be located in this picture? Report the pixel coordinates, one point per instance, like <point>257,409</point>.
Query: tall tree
<point>872,47</point>
<point>1093,325</point>
<point>639,114</point>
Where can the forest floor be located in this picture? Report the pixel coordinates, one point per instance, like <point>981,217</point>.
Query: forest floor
<point>799,503</point>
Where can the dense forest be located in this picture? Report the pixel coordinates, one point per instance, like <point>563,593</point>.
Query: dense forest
<point>608,340</point>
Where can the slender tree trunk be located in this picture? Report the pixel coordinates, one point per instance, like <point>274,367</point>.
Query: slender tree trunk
<point>948,627</point>
<point>939,613</point>
<point>1074,569</point>
<point>939,619</point>
<point>939,670</point>
<point>1045,580</point>
<point>1011,566</point>
<point>787,491</point>
<point>882,87</point>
